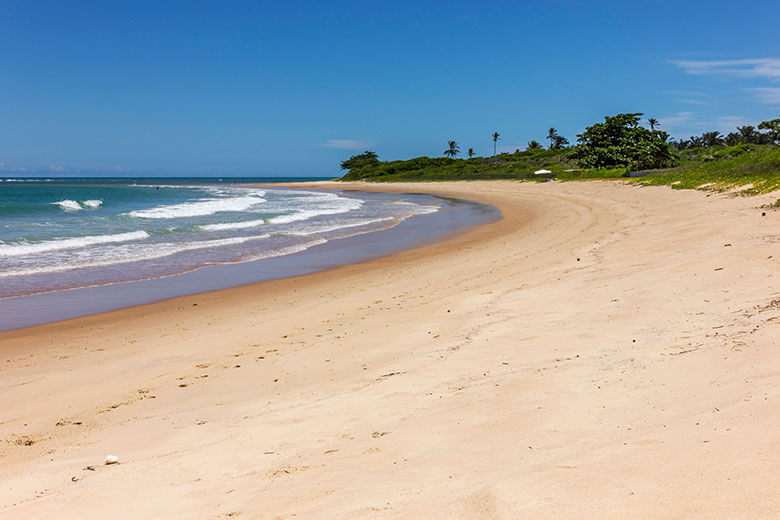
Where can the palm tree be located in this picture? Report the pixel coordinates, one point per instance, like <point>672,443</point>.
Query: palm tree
<point>496,138</point>
<point>552,135</point>
<point>734,138</point>
<point>748,133</point>
<point>560,142</point>
<point>556,141</point>
<point>471,153</point>
<point>453,150</point>
<point>711,138</point>
<point>653,122</point>
<point>533,145</point>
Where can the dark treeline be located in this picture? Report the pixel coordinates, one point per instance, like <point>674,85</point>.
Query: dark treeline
<point>768,132</point>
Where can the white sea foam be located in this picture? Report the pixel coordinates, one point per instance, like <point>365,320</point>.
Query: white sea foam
<point>424,210</point>
<point>123,255</point>
<point>285,250</point>
<point>418,209</point>
<point>161,186</point>
<point>201,207</point>
<point>73,205</point>
<point>233,225</point>
<point>343,206</point>
<point>336,227</point>
<point>60,244</point>
<point>68,205</point>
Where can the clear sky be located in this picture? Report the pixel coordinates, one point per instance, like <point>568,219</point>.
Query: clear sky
<point>293,88</point>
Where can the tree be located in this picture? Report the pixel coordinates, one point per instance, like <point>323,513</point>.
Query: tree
<point>773,127</point>
<point>653,122</point>
<point>620,141</point>
<point>734,138</point>
<point>552,134</point>
<point>748,134</point>
<point>496,138</point>
<point>559,142</point>
<point>471,153</point>
<point>556,141</point>
<point>711,138</point>
<point>367,158</point>
<point>453,149</point>
<point>534,145</point>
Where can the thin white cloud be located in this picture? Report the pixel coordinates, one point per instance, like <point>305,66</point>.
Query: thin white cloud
<point>748,68</point>
<point>348,144</point>
<point>678,120</point>
<point>687,93</point>
<point>727,124</point>
<point>768,95</point>
<point>56,168</point>
<point>691,97</point>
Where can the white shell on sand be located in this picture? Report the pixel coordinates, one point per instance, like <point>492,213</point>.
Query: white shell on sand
<point>112,459</point>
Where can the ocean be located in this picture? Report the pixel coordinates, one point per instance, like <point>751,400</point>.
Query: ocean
<point>67,233</point>
<point>64,235</point>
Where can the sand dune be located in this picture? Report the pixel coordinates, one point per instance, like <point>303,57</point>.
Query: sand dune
<point>604,351</point>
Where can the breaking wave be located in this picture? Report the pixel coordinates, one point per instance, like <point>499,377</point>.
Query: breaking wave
<point>21,249</point>
<point>201,208</point>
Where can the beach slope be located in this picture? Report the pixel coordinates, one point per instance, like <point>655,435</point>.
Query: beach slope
<point>603,351</point>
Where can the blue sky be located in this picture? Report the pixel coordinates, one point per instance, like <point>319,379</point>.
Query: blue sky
<point>293,88</point>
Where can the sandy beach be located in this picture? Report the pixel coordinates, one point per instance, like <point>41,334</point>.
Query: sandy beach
<point>603,351</point>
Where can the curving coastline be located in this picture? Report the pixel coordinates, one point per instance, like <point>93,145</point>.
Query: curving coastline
<point>108,281</point>
<point>604,350</point>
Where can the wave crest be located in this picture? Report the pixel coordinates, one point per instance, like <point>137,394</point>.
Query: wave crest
<point>200,208</point>
<point>68,243</point>
<point>343,206</point>
<point>233,225</point>
<point>74,205</point>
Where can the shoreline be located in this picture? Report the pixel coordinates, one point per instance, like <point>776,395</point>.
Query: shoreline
<point>604,350</point>
<point>454,216</point>
<point>473,232</point>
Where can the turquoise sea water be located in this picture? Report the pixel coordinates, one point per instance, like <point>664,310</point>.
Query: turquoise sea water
<point>67,233</point>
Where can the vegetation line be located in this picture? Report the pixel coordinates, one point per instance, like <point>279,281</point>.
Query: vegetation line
<point>748,158</point>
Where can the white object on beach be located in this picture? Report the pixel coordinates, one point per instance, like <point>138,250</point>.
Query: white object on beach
<point>112,459</point>
<point>541,172</point>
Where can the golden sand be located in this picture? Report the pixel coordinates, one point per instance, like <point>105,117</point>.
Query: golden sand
<point>604,351</point>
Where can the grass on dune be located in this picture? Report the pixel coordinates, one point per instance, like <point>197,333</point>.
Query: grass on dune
<point>724,169</point>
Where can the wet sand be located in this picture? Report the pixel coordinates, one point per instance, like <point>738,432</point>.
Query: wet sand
<point>604,351</point>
